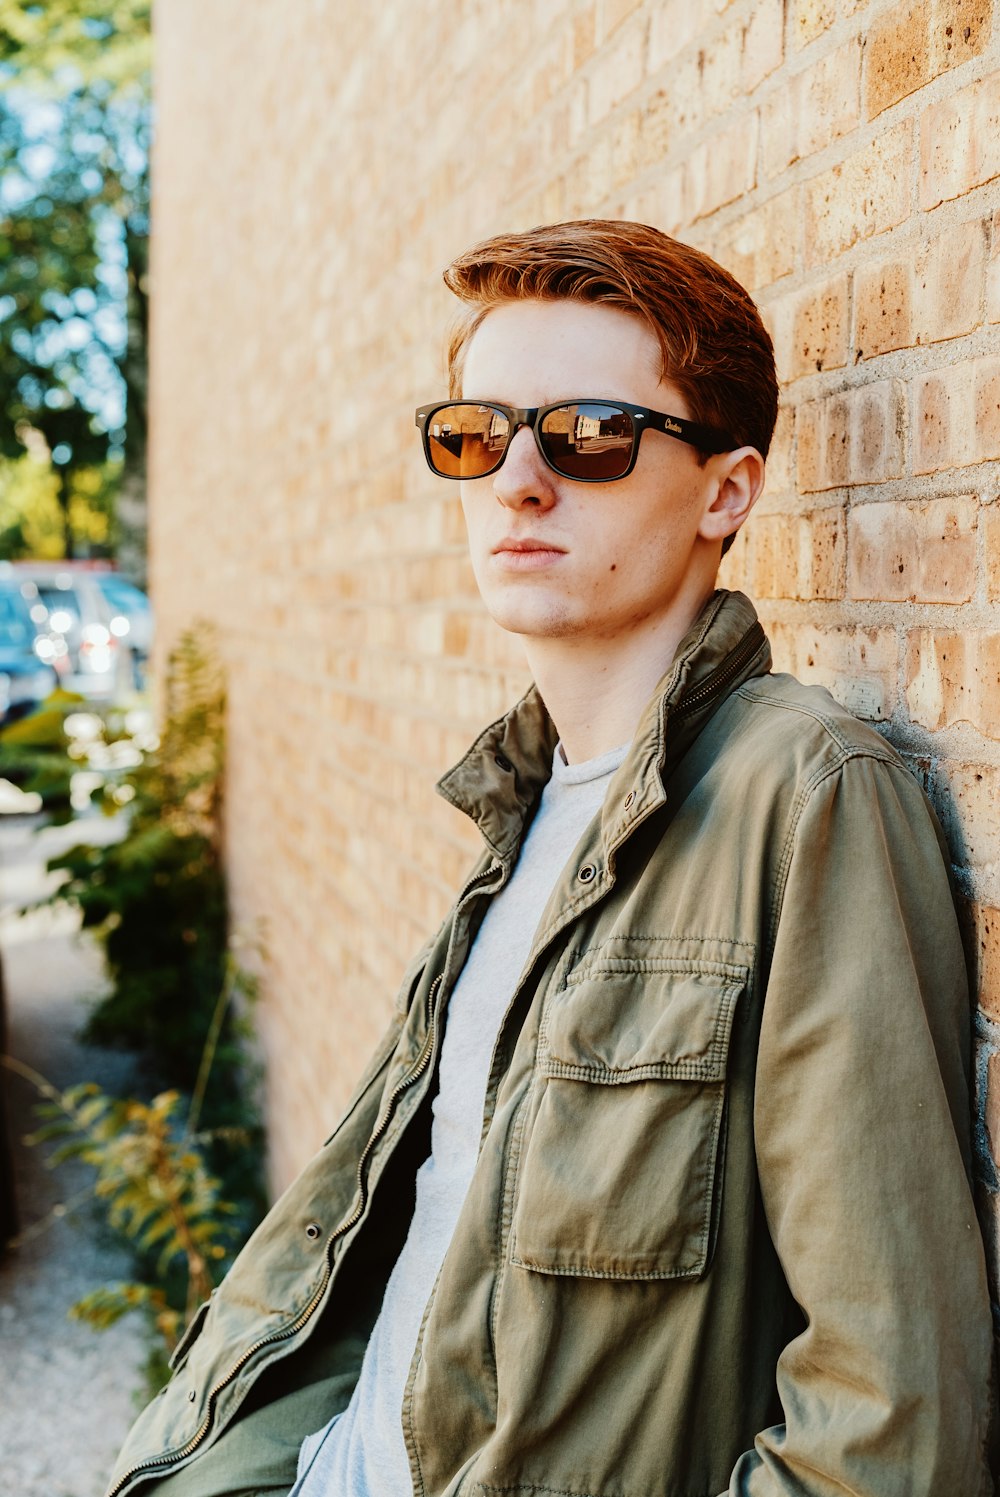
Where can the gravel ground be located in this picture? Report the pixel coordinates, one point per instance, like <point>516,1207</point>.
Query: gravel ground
<point>67,1393</point>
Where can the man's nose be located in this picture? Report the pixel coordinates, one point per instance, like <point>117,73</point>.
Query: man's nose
<point>523,477</point>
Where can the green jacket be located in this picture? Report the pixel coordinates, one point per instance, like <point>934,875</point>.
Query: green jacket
<point>720,1238</point>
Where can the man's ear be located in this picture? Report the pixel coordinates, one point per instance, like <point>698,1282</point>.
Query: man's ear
<point>739,479</point>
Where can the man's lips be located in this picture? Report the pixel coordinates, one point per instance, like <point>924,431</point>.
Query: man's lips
<point>526,554</point>
<point>515,545</point>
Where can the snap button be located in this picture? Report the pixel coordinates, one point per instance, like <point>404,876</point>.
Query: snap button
<point>587,872</point>
<point>503,761</point>
<point>314,1231</point>
<point>629,799</point>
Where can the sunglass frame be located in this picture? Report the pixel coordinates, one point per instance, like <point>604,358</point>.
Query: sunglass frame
<point>707,439</point>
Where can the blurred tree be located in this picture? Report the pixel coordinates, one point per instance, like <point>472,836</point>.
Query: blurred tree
<point>74,228</point>
<point>31,523</point>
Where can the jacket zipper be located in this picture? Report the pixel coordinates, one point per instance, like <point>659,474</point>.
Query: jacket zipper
<point>306,1314</point>
<point>731,667</point>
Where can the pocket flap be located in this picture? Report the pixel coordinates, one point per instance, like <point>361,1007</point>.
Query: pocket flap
<point>622,1020</point>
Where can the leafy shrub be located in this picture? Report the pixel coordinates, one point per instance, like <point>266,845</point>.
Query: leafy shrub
<point>152,1177</point>
<point>179,992</point>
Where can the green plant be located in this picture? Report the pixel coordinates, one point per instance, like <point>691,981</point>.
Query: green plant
<point>157,897</point>
<point>180,988</point>
<point>179,1174</point>
<point>154,1181</point>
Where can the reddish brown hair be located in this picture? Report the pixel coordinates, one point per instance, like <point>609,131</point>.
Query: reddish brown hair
<point>714,347</point>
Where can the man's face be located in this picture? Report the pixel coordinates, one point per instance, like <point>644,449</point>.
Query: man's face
<point>615,556</point>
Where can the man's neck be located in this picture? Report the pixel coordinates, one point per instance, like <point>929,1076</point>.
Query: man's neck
<point>595,689</point>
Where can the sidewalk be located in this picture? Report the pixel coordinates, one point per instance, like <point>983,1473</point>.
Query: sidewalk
<point>66,1391</point>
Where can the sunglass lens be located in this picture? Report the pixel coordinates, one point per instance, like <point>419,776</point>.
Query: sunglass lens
<point>589,440</point>
<point>466,441</point>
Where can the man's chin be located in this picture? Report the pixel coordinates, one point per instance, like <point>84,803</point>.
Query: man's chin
<point>541,621</point>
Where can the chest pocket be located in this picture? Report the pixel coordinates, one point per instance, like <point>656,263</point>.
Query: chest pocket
<point>617,1177</point>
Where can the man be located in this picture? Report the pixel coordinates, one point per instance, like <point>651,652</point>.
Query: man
<point>658,1185</point>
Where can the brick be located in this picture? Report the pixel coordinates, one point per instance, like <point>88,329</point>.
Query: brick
<point>761,246</point>
<point>986,409</point>
<point>823,551</point>
<point>952,678</point>
<point>810,18</point>
<point>625,151</point>
<point>991,526</point>
<point>549,75</point>
<point>779,129</point>
<point>957,416</point>
<point>673,26</point>
<point>948,282</point>
<point>620,72</point>
<point>852,437</point>
<point>993,272</point>
<point>811,329</point>
<point>780,472</point>
<point>905,552</point>
<point>960,142</point>
<point>672,112</point>
<point>958,30</point>
<point>763,42</point>
<point>823,443</point>
<point>967,801</point>
<point>773,561</point>
<point>933,425</point>
<point>666,202</point>
<point>583,33</point>
<point>663,204</point>
<point>981,927</point>
<point>797,556</point>
<point>613,13</point>
<point>898,59</point>
<point>830,98</point>
<point>721,169</point>
<point>882,296</point>
<point>915,42</point>
<point>878,419</point>
<point>857,665</point>
<point>722,71</point>
<point>866,194</point>
<point>577,113</point>
<point>735,570</point>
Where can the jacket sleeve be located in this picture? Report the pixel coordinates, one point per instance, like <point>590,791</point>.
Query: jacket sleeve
<point>861,1125</point>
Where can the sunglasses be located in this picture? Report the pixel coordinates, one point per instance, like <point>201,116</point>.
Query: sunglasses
<point>591,441</point>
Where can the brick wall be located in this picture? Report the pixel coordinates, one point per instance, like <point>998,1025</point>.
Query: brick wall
<point>315,167</point>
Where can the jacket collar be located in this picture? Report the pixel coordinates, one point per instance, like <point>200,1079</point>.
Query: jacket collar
<point>499,779</point>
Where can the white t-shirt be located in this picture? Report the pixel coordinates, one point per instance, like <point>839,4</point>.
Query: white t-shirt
<point>361,1451</point>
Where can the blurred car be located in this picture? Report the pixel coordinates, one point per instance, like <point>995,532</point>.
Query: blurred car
<point>25,678</point>
<point>97,662</point>
<point>133,616</point>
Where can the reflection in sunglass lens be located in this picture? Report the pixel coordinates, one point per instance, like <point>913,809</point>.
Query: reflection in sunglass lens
<point>466,441</point>
<point>590,440</point>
